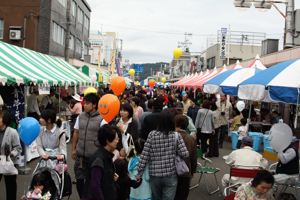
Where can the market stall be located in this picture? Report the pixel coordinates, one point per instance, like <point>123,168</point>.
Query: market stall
<point>20,68</point>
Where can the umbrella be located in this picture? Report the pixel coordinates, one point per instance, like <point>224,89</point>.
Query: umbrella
<point>228,81</point>
<point>281,82</point>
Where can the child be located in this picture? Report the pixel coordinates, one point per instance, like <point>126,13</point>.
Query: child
<point>242,132</point>
<point>124,183</point>
<point>144,191</point>
<point>39,188</point>
<point>161,92</point>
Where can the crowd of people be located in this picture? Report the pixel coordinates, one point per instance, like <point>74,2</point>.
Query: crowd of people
<point>132,157</point>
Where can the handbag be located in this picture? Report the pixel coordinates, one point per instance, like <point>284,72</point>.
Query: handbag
<point>180,165</point>
<point>7,166</point>
<point>130,144</point>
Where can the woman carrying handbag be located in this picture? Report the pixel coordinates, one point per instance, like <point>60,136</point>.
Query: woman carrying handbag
<point>10,149</point>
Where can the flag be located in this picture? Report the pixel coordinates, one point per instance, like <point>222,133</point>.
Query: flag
<point>100,79</point>
<point>118,66</point>
<point>111,67</point>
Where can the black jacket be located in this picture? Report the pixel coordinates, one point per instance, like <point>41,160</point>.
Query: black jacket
<point>192,112</point>
<point>150,124</point>
<point>291,167</point>
<point>123,187</point>
<point>132,129</point>
<point>103,159</point>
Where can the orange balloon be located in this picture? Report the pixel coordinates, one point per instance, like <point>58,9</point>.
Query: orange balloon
<point>109,106</point>
<point>118,85</point>
<point>151,83</point>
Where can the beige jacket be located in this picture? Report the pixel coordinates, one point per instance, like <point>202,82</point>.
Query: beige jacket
<point>224,107</point>
<point>216,118</point>
<point>186,106</point>
<point>245,156</point>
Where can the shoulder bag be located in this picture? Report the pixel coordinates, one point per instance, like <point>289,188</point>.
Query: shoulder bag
<point>180,165</point>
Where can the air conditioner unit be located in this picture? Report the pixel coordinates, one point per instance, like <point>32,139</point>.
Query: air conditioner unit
<point>15,35</point>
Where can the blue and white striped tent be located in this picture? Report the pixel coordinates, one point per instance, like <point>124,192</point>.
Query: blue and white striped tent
<point>227,82</point>
<point>281,81</point>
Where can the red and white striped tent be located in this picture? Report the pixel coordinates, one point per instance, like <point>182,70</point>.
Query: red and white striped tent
<point>237,65</point>
<point>257,64</point>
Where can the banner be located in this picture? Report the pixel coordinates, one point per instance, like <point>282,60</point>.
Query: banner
<point>13,97</point>
<point>223,44</point>
<point>100,78</point>
<point>111,67</point>
<point>118,67</point>
<point>138,68</point>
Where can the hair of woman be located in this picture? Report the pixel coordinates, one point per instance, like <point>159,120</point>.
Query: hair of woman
<point>166,122</point>
<point>50,114</point>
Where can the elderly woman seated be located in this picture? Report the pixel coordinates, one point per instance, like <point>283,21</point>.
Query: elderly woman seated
<point>258,188</point>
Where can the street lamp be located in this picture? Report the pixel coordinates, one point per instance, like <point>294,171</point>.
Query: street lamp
<point>263,6</point>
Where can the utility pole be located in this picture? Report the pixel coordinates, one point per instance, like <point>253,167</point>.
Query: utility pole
<point>68,24</point>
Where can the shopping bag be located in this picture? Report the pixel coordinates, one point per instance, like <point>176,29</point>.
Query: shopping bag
<point>7,166</point>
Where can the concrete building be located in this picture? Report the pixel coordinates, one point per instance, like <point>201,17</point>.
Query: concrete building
<point>108,45</point>
<point>237,46</point>
<point>41,26</point>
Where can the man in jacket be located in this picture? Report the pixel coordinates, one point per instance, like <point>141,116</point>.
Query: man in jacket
<point>288,165</point>
<point>85,137</point>
<point>244,156</point>
<point>150,121</point>
<point>193,110</point>
<point>225,110</point>
<point>191,130</point>
<point>186,103</point>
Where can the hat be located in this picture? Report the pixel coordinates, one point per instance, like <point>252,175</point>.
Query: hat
<point>77,97</point>
<point>179,106</point>
<point>248,141</point>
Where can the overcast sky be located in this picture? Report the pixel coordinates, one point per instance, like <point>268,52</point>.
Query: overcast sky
<point>150,30</point>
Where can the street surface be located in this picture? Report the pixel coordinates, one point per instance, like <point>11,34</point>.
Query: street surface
<point>197,193</point>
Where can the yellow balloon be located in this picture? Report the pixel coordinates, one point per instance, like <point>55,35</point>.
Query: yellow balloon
<point>143,86</point>
<point>90,90</point>
<point>131,72</point>
<point>177,53</point>
<point>163,80</point>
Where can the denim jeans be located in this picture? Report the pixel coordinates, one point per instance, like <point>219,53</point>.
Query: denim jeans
<point>164,188</point>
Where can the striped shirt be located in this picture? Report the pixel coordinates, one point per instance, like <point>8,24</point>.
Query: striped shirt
<point>159,151</point>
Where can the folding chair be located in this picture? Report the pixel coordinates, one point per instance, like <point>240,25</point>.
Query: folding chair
<point>271,156</point>
<point>243,171</point>
<point>206,170</point>
<point>295,184</point>
<point>228,190</point>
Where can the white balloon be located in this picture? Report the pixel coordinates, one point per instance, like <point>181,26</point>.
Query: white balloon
<point>240,105</point>
<point>280,137</point>
<point>93,78</point>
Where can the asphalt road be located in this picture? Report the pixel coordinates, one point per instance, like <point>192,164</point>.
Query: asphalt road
<point>197,193</point>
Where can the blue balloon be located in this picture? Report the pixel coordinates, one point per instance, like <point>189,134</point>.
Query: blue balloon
<point>183,93</point>
<point>28,130</point>
<point>161,86</point>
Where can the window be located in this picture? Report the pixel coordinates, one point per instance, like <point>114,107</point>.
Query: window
<point>72,42</point>
<point>59,34</point>
<point>86,49</point>
<point>86,22</point>
<point>1,28</point>
<point>80,16</point>
<point>78,46</point>
<point>63,3</point>
<point>211,63</point>
<point>73,8</point>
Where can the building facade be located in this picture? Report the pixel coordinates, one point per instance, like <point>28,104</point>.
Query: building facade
<point>41,25</point>
<point>108,45</point>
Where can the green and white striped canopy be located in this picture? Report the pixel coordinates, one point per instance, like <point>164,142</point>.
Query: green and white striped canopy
<point>23,66</point>
<point>90,71</point>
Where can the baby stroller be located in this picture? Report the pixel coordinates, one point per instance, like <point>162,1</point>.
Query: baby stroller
<point>60,184</point>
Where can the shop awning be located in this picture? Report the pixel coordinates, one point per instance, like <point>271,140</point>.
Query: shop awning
<point>89,71</point>
<point>23,66</point>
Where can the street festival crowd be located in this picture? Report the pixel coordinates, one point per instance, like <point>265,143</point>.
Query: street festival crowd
<point>133,155</point>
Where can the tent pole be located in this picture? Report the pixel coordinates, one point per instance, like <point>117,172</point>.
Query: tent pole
<point>250,102</point>
<point>59,101</point>
<point>25,170</point>
<point>296,118</point>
